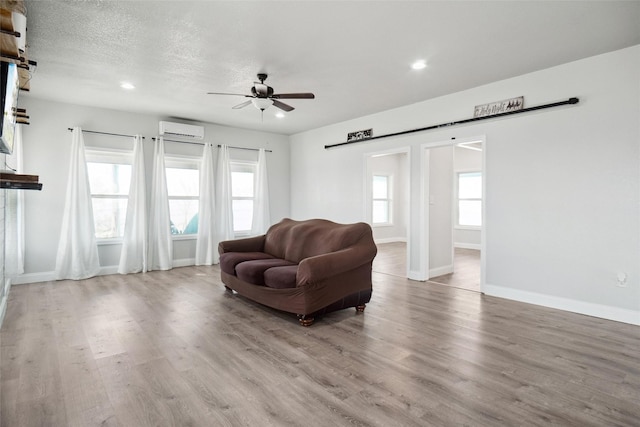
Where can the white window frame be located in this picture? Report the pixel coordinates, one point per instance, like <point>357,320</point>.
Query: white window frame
<point>458,199</point>
<point>115,157</point>
<point>174,161</point>
<point>388,200</point>
<point>244,166</point>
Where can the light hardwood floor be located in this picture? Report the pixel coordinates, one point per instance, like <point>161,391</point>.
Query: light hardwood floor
<point>392,259</point>
<point>466,271</point>
<point>174,349</point>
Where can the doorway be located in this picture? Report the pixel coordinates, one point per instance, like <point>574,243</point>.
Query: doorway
<point>387,208</point>
<point>454,211</point>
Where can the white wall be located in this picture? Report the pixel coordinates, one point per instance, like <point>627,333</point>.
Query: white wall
<point>439,196</point>
<point>563,187</point>
<point>46,153</point>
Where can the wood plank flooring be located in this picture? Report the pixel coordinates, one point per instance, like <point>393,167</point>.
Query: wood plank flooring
<point>466,270</point>
<point>392,259</point>
<point>174,349</point>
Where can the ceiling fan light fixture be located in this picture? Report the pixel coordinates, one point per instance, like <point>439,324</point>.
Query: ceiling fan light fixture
<point>261,103</point>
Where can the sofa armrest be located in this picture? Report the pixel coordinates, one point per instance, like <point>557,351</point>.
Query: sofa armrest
<point>250,244</point>
<point>320,267</point>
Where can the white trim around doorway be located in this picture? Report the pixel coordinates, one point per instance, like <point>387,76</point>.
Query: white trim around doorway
<point>424,272</point>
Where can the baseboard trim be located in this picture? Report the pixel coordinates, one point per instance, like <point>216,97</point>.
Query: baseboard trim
<point>49,276</point>
<point>587,308</point>
<point>417,276</point>
<point>476,246</point>
<point>23,279</point>
<point>435,272</point>
<point>391,240</point>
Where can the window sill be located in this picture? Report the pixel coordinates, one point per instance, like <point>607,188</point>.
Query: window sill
<point>184,236</point>
<point>468,227</point>
<point>382,224</point>
<point>111,241</point>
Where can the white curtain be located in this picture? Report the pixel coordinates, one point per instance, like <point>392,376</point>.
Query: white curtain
<point>207,243</point>
<point>77,249</point>
<point>160,253</point>
<point>261,217</point>
<point>224,211</point>
<point>133,257</point>
<point>14,214</point>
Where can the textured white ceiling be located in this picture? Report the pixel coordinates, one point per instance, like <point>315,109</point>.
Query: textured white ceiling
<point>354,55</point>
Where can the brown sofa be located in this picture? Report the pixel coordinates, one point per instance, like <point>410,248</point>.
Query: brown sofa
<point>307,267</point>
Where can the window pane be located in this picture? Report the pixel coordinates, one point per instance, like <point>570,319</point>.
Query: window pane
<point>109,216</point>
<point>242,184</point>
<point>470,212</point>
<point>109,178</point>
<point>183,182</point>
<point>380,213</point>
<point>470,185</point>
<point>380,187</point>
<point>184,216</point>
<point>242,215</point>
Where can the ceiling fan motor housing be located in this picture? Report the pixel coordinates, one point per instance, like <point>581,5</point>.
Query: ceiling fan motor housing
<point>261,90</point>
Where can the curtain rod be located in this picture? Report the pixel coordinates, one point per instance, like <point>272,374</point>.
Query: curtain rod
<point>202,143</point>
<point>105,133</point>
<point>246,148</point>
<point>474,119</point>
<point>181,142</point>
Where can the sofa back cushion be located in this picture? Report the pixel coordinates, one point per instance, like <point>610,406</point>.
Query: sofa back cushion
<point>296,240</point>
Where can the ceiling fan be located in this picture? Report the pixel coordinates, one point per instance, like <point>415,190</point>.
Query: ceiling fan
<point>262,96</point>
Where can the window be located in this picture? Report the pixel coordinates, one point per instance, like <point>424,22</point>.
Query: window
<point>109,178</point>
<point>381,209</point>
<point>242,195</point>
<point>470,199</point>
<point>183,189</point>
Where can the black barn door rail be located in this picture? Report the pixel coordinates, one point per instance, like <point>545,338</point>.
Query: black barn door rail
<point>459,122</point>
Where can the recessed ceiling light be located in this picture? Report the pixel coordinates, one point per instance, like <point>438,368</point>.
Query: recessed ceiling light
<point>419,64</point>
<point>127,85</point>
<point>280,115</point>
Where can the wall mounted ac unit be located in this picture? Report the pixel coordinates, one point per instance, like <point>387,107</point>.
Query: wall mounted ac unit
<point>181,130</point>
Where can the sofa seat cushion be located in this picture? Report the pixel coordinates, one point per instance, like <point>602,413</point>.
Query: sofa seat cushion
<point>229,260</point>
<point>253,271</point>
<point>281,277</point>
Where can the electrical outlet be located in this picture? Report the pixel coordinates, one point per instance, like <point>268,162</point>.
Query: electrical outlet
<point>622,280</point>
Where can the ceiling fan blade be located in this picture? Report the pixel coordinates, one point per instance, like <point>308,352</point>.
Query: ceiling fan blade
<point>224,93</point>
<point>242,105</point>
<point>282,105</point>
<point>293,96</point>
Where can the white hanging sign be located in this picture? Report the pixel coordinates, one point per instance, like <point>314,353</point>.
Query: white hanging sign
<point>493,108</point>
<point>361,134</point>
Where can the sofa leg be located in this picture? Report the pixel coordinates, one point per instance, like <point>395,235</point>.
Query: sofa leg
<point>360,308</point>
<point>305,320</point>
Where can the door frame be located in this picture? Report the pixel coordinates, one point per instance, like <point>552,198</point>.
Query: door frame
<point>423,271</point>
